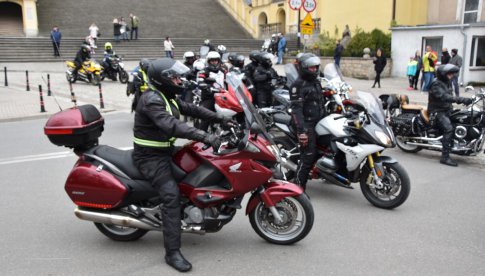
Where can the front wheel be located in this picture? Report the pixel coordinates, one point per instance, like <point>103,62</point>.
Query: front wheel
<point>395,186</point>
<point>296,213</point>
<point>71,78</point>
<point>120,233</point>
<point>405,147</point>
<point>123,76</point>
<point>96,79</point>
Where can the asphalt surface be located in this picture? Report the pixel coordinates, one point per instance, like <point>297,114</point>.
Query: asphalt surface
<point>439,230</point>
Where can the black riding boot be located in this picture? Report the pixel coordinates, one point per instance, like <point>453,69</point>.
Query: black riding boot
<point>175,259</point>
<point>447,146</point>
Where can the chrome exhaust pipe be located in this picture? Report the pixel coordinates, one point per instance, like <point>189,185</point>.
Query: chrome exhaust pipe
<point>107,217</point>
<point>424,145</point>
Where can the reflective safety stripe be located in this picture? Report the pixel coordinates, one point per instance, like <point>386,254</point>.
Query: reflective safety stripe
<point>145,81</point>
<point>154,144</point>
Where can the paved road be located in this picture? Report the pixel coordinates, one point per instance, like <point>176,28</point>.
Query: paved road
<point>438,231</point>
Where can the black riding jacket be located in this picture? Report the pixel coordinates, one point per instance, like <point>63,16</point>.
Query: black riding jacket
<point>154,122</point>
<point>262,77</point>
<point>440,98</point>
<point>82,56</point>
<point>307,103</point>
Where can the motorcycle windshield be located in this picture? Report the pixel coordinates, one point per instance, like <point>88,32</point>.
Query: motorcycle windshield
<point>250,112</point>
<point>291,74</point>
<point>332,73</point>
<point>372,105</point>
<point>203,51</point>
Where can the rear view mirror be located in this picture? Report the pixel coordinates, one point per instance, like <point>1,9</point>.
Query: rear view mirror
<point>469,88</point>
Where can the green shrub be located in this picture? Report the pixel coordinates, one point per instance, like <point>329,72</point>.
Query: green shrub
<point>381,40</point>
<point>326,44</point>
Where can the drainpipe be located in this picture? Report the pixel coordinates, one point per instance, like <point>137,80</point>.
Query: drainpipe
<point>465,37</point>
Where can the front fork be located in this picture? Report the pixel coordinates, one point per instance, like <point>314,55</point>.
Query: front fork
<point>376,170</point>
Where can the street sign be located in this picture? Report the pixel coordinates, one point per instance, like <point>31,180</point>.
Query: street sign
<point>307,25</point>
<point>307,31</point>
<point>309,5</point>
<point>295,4</point>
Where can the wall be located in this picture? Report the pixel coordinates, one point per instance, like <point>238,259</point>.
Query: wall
<point>443,12</point>
<point>411,12</point>
<point>29,16</point>
<point>405,41</point>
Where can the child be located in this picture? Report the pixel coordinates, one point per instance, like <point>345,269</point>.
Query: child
<point>412,67</point>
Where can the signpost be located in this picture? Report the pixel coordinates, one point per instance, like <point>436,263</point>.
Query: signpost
<point>307,25</point>
<point>309,5</point>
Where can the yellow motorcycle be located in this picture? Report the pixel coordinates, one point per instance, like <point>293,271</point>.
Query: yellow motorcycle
<point>89,72</point>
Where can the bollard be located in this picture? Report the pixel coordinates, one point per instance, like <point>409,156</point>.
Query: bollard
<point>42,108</point>
<point>5,70</point>
<point>73,97</point>
<point>48,85</point>
<point>101,103</point>
<point>27,79</point>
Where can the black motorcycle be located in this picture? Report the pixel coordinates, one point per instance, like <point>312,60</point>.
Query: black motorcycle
<point>115,68</point>
<point>414,131</point>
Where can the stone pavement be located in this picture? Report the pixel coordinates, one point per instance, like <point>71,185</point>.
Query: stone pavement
<point>18,104</point>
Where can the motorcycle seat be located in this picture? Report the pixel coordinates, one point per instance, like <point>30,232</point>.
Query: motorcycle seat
<point>412,107</point>
<point>282,118</point>
<point>425,115</point>
<point>123,160</point>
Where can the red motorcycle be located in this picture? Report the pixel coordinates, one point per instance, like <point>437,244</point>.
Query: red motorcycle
<point>109,191</point>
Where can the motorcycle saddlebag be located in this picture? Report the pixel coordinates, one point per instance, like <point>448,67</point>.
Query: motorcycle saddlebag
<point>77,127</point>
<point>402,125</point>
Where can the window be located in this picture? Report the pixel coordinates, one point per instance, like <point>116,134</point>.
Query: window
<point>470,15</point>
<point>477,58</point>
<point>435,42</point>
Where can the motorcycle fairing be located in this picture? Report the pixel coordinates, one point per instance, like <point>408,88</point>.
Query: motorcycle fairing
<point>275,191</point>
<point>355,155</point>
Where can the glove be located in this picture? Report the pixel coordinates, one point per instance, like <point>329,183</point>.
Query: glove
<point>226,121</point>
<point>212,140</point>
<point>467,101</point>
<point>303,139</point>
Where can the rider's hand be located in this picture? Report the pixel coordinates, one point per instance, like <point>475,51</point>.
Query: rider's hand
<point>213,140</point>
<point>467,101</point>
<point>303,139</point>
<point>227,121</point>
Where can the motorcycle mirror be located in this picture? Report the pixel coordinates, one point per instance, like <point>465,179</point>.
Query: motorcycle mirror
<point>203,85</point>
<point>469,88</point>
<point>359,105</point>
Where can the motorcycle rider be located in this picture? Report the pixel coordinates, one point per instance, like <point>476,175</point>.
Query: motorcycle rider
<point>140,81</point>
<point>214,66</point>
<point>207,43</point>
<point>108,54</point>
<point>308,107</point>
<point>82,55</point>
<point>237,62</point>
<point>440,100</point>
<point>157,125</point>
<point>262,76</point>
<point>249,69</point>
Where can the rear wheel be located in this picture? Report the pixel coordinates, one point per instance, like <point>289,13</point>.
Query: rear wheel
<point>123,75</point>
<point>395,189</point>
<point>120,233</point>
<point>297,220</point>
<point>400,141</point>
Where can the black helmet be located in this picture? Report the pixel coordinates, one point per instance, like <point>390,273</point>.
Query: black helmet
<point>446,69</point>
<point>266,59</point>
<point>85,48</point>
<point>307,61</point>
<point>161,72</point>
<point>144,63</point>
<point>211,56</point>
<point>237,60</point>
<point>253,56</point>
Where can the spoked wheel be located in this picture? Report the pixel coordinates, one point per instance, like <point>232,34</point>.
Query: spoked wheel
<point>297,220</point>
<point>120,233</point>
<point>285,146</point>
<point>123,75</point>
<point>405,147</point>
<point>395,186</point>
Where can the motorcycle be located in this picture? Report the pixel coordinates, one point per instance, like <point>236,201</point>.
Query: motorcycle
<point>349,150</point>
<point>115,67</point>
<point>336,90</point>
<point>109,190</point>
<point>89,72</point>
<point>414,131</point>
<point>266,46</point>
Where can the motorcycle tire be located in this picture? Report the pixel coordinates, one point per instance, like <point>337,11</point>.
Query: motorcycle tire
<point>396,181</point>
<point>406,148</point>
<point>123,76</point>
<point>96,79</point>
<point>70,79</point>
<point>298,220</point>
<point>102,76</point>
<point>283,143</point>
<point>120,233</point>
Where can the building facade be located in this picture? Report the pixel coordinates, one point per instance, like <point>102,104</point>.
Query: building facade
<point>18,17</point>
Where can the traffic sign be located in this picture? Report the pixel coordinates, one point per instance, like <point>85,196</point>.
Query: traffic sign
<point>307,31</point>
<point>307,22</point>
<point>295,4</point>
<point>309,5</point>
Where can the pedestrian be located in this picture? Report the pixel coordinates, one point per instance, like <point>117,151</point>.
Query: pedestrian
<point>412,68</point>
<point>419,60</point>
<point>89,40</point>
<point>123,29</point>
<point>281,48</point>
<point>337,53</point>
<point>56,40</point>
<point>116,29</point>
<point>135,21</point>
<point>429,62</point>
<point>458,62</point>
<point>379,65</point>
<point>168,47</point>
<point>94,32</point>
<point>445,56</point>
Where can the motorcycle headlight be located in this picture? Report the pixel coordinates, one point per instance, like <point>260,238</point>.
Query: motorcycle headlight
<point>275,151</point>
<point>383,138</point>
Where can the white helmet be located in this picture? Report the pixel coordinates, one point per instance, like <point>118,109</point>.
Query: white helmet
<point>221,49</point>
<point>189,54</point>
<point>206,42</point>
<point>213,55</point>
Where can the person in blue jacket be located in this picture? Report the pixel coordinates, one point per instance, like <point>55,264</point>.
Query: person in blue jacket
<point>281,48</point>
<point>56,40</point>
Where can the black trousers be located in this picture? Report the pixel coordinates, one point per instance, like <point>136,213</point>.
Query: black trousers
<point>154,164</point>
<point>263,97</point>
<point>378,78</point>
<point>56,46</point>
<point>443,123</point>
<point>416,78</point>
<point>308,155</point>
<point>134,30</point>
<point>209,104</point>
